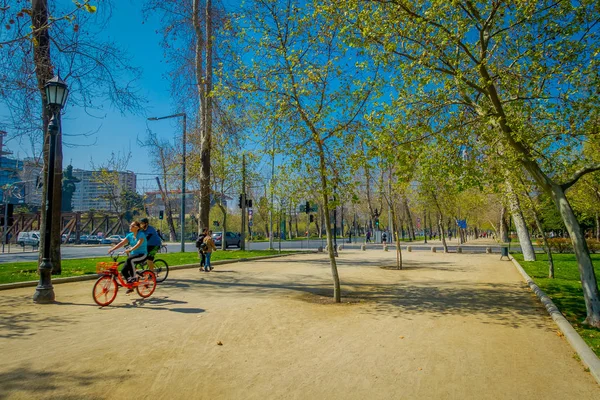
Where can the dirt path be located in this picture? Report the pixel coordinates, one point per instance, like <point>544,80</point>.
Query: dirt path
<point>447,327</point>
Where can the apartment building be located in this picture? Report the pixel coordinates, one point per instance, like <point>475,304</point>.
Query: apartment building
<point>94,192</point>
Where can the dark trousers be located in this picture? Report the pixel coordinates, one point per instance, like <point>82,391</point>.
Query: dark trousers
<point>128,269</point>
<point>202,258</point>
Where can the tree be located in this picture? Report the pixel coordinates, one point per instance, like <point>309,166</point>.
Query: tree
<point>70,34</point>
<point>305,82</point>
<point>163,156</point>
<point>523,74</point>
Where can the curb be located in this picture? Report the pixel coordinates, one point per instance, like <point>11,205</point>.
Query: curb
<point>90,277</point>
<point>587,356</point>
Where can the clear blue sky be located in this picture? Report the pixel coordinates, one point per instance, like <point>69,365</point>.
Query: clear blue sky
<point>113,132</point>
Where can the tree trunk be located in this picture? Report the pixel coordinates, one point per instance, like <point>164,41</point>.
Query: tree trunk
<point>597,225</point>
<point>503,226</point>
<point>224,227</point>
<point>546,245</point>
<point>584,261</point>
<point>43,72</point>
<point>290,223</point>
<point>442,233</point>
<point>410,226</point>
<point>397,240</point>
<point>204,87</point>
<point>520,225</point>
<point>334,272</point>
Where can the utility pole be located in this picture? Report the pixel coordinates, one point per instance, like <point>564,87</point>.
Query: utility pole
<point>243,238</point>
<point>272,193</point>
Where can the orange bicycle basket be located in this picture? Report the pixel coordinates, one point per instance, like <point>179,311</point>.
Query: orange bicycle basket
<point>106,267</point>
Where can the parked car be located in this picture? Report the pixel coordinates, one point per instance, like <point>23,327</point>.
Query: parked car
<point>93,239</point>
<point>114,239</point>
<point>29,238</point>
<point>105,240</point>
<point>231,239</point>
<point>83,239</point>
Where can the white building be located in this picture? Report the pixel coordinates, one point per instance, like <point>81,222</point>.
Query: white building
<point>94,192</point>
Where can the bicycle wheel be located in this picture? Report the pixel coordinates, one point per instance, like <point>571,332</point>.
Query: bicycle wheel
<point>161,270</point>
<point>105,290</point>
<point>147,284</point>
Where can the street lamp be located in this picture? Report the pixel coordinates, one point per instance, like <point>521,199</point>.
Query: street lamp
<point>56,98</point>
<point>184,115</point>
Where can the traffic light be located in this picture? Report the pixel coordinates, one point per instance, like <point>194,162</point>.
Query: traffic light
<point>377,222</point>
<point>307,207</point>
<point>312,218</point>
<point>240,202</point>
<point>249,203</point>
<point>161,214</point>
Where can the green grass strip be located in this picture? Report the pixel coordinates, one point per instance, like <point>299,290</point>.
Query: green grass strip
<point>565,290</point>
<point>27,271</point>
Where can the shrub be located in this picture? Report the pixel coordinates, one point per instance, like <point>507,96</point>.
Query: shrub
<point>593,245</point>
<point>560,245</point>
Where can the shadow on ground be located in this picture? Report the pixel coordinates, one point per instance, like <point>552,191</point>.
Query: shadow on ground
<point>506,304</point>
<point>34,383</point>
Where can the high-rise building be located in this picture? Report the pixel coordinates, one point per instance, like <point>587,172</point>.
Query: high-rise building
<point>100,190</point>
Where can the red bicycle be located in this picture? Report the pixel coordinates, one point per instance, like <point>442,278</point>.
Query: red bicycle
<point>106,287</point>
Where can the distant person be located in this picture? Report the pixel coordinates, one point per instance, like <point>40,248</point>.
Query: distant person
<point>384,238</point>
<point>210,247</point>
<point>201,246</point>
<point>368,236</point>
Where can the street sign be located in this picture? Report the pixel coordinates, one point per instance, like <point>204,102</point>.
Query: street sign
<point>249,212</point>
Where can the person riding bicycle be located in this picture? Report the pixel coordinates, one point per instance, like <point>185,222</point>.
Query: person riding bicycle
<point>137,253</point>
<point>153,241</point>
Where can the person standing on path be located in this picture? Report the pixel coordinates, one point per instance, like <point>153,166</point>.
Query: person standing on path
<point>210,247</point>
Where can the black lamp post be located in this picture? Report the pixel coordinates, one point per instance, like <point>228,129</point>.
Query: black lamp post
<point>56,98</point>
<point>184,115</point>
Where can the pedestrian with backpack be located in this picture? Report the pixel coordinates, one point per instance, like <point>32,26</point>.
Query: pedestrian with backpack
<point>210,247</point>
<point>201,246</point>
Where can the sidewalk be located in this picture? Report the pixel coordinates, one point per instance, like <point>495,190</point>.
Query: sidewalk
<point>448,326</point>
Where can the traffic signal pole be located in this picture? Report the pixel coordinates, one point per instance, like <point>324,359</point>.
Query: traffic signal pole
<point>243,238</point>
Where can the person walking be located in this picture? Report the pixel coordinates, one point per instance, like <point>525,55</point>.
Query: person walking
<point>368,236</point>
<point>210,247</point>
<point>201,246</point>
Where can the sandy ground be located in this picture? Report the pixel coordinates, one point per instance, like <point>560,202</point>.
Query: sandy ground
<point>456,326</point>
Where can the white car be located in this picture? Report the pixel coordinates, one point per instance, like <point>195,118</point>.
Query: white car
<point>114,239</point>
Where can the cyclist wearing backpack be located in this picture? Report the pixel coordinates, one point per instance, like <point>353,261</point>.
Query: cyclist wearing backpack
<point>201,246</point>
<point>153,243</point>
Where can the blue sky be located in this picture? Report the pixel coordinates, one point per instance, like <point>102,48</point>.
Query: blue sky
<point>112,131</point>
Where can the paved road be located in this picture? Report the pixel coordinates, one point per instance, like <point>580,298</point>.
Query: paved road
<point>84,251</point>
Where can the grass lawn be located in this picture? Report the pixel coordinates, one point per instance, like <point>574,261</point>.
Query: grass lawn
<point>27,271</point>
<point>565,290</point>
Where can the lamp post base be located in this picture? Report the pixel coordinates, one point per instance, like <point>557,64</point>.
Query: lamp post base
<point>44,295</point>
<point>44,292</point>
